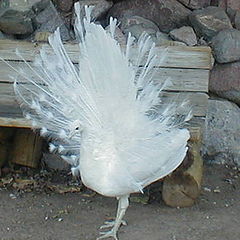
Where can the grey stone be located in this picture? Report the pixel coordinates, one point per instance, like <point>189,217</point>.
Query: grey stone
<point>49,19</point>
<point>166,14</point>
<point>222,134</point>
<point>101,7</point>
<point>226,46</point>
<point>40,5</point>
<point>233,4</point>
<point>15,17</point>
<point>64,5</point>
<point>163,39</point>
<point>5,36</point>
<point>184,34</point>
<point>237,20</point>
<point>136,25</point>
<point>196,4</point>
<point>231,14</point>
<point>55,162</point>
<point>209,21</point>
<point>225,81</point>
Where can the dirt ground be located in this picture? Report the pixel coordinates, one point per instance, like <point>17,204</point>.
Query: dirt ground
<point>77,216</point>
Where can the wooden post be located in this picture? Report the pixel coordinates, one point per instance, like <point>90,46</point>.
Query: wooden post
<point>27,148</point>
<point>182,187</point>
<point>6,136</point>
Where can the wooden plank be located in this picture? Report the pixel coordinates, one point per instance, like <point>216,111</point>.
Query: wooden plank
<point>181,79</point>
<point>188,80</point>
<point>18,122</point>
<point>198,100</point>
<point>178,56</point>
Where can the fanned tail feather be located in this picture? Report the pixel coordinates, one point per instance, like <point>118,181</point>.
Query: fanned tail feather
<point>105,93</point>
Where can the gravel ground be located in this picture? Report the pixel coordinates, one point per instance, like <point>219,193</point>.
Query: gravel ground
<point>49,216</point>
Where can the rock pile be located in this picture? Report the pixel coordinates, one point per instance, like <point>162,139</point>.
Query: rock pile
<point>169,22</point>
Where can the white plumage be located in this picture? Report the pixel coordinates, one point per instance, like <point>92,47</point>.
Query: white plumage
<point>101,116</point>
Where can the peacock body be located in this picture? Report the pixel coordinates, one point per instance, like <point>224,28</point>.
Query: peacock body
<point>101,115</point>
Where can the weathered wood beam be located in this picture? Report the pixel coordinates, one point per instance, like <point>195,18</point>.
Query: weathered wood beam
<point>177,56</point>
<point>193,80</point>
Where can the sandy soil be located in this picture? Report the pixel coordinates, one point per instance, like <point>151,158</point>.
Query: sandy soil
<point>50,216</point>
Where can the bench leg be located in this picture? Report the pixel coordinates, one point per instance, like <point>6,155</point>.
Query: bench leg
<point>27,148</point>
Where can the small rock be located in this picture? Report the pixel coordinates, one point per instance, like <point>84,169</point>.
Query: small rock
<point>136,25</point>
<point>226,46</point>
<point>206,189</point>
<point>216,191</point>
<point>222,135</point>
<point>184,34</point>
<point>42,36</point>
<point>209,21</point>
<point>12,196</point>
<point>53,161</point>
<point>202,42</point>
<point>196,4</point>
<point>225,81</point>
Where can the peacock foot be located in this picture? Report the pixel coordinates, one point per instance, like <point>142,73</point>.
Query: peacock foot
<point>112,233</point>
<point>111,223</point>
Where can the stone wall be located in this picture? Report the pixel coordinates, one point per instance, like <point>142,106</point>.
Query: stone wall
<point>169,22</point>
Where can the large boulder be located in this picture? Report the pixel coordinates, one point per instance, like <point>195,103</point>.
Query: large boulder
<point>233,4</point>
<point>209,21</point>
<point>225,81</point>
<point>48,20</point>
<point>16,16</point>
<point>184,34</point>
<point>195,4</point>
<point>222,133</point>
<point>226,46</point>
<point>167,15</point>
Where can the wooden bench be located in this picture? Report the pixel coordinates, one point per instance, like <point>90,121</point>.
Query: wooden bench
<point>188,68</point>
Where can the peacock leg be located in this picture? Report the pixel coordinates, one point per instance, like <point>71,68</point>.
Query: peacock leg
<point>123,204</point>
<point>110,223</point>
